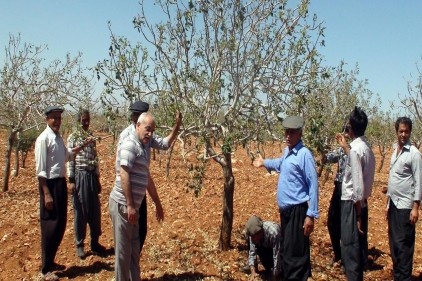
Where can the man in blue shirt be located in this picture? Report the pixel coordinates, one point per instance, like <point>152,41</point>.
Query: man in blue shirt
<point>297,199</point>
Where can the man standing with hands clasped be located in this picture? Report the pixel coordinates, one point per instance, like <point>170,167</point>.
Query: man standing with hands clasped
<point>404,196</point>
<point>297,198</point>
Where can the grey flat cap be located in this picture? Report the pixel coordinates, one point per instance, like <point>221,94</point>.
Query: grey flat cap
<point>139,106</point>
<point>53,108</point>
<point>254,225</point>
<point>293,122</point>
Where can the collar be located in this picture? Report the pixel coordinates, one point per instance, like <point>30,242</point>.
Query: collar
<point>296,148</point>
<point>51,132</point>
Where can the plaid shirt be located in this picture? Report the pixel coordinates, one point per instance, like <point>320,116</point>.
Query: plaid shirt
<point>85,160</point>
<point>272,239</point>
<point>340,157</point>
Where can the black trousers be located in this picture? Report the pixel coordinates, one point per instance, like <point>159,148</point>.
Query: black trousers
<point>334,220</point>
<point>351,253</point>
<point>53,223</point>
<point>296,264</point>
<point>143,222</point>
<point>266,257</point>
<point>401,235</point>
<point>363,238</point>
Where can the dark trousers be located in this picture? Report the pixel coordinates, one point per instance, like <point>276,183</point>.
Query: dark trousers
<point>86,206</point>
<point>53,223</point>
<point>351,254</point>
<point>363,238</point>
<point>266,257</point>
<point>401,235</point>
<point>296,264</point>
<point>334,220</point>
<point>143,222</point>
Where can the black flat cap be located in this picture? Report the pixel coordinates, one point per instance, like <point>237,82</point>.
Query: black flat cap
<point>53,108</point>
<point>254,225</point>
<point>293,122</point>
<point>139,106</point>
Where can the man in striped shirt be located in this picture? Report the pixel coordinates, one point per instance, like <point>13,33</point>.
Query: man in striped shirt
<point>132,174</point>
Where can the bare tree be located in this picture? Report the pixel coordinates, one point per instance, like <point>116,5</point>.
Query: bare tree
<point>28,83</point>
<point>412,100</point>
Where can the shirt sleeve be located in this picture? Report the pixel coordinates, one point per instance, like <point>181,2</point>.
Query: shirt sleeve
<point>273,164</point>
<point>159,143</point>
<point>41,157</point>
<point>312,182</point>
<point>333,156</point>
<point>252,253</point>
<point>357,175</point>
<point>71,162</point>
<point>417,175</point>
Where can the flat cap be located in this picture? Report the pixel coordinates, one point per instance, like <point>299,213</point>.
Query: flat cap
<point>293,122</point>
<point>53,108</point>
<point>139,106</point>
<point>254,225</point>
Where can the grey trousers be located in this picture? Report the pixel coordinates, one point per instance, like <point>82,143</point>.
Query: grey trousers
<point>86,207</point>
<point>126,244</point>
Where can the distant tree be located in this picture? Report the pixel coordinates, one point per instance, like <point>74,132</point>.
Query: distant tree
<point>233,68</point>
<point>28,83</point>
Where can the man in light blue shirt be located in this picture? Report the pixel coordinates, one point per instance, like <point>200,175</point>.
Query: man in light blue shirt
<point>404,196</point>
<point>297,199</point>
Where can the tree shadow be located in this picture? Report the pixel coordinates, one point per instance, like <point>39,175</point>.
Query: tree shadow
<point>186,276</point>
<point>77,271</point>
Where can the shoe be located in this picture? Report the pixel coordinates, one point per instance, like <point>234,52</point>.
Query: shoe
<point>80,252</point>
<point>49,276</point>
<point>98,248</point>
<point>57,267</point>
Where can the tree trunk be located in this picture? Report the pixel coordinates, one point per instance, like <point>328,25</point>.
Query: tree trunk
<point>382,153</point>
<point>227,219</point>
<point>9,148</point>
<point>320,169</point>
<point>169,154</point>
<point>16,169</point>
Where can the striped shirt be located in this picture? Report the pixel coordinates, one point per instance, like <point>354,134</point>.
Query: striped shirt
<point>85,160</point>
<point>272,238</point>
<point>340,157</point>
<point>132,154</point>
<point>51,155</point>
<point>155,142</point>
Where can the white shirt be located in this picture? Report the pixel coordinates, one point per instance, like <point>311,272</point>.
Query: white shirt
<point>359,174</point>
<point>51,155</point>
<point>405,179</point>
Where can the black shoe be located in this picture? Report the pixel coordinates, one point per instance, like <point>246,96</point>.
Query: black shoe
<point>57,267</point>
<point>98,248</point>
<point>246,269</point>
<point>80,252</point>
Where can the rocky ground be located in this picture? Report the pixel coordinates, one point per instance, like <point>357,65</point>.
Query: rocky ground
<point>185,245</point>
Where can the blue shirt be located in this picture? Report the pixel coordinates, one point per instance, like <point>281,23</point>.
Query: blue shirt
<point>298,180</point>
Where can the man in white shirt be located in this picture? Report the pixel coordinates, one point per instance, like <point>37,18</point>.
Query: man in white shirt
<point>404,196</point>
<point>51,155</point>
<point>356,189</point>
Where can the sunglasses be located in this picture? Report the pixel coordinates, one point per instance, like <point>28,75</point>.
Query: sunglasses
<point>346,129</point>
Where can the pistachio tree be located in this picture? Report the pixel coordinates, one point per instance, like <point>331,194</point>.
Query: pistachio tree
<point>233,68</point>
<point>28,82</point>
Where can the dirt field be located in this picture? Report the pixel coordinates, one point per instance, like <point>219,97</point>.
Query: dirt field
<point>185,245</point>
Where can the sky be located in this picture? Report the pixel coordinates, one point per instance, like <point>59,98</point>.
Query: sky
<point>381,36</point>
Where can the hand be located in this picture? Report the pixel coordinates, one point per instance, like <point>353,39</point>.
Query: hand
<point>131,214</point>
<point>159,212</point>
<point>308,226</point>
<point>99,187</point>
<point>254,275</point>
<point>341,140</point>
<point>48,201</point>
<point>72,187</point>
<point>258,161</point>
<point>359,225</point>
<point>414,215</point>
